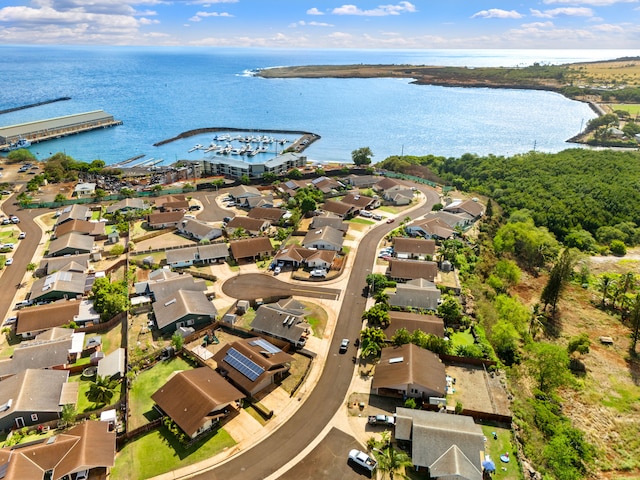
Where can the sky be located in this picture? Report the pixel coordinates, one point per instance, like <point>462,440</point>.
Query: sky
<point>423,24</point>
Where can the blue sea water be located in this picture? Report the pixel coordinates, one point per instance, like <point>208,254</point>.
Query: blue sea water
<point>160,92</point>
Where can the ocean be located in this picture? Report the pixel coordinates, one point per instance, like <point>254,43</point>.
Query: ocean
<point>160,92</point>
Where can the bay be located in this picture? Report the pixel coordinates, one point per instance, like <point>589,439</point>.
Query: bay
<point>161,92</point>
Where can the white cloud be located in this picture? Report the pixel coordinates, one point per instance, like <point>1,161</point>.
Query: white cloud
<point>595,3</point>
<point>314,11</point>
<point>208,3</point>
<point>148,21</point>
<point>537,25</point>
<point>608,28</point>
<point>563,11</point>
<point>302,23</point>
<point>496,13</point>
<point>200,15</point>
<point>380,11</point>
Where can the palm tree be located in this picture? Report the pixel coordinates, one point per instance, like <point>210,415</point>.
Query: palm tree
<point>605,283</point>
<point>392,462</point>
<point>373,341</point>
<point>102,390</point>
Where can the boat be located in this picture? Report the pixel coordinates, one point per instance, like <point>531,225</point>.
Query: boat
<point>197,146</point>
<point>20,143</point>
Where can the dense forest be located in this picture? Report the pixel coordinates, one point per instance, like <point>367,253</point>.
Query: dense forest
<point>574,193</point>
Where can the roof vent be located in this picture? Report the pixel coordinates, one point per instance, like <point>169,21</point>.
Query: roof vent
<point>396,360</point>
<point>170,302</point>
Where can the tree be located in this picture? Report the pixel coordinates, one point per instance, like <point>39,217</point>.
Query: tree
<point>102,390</point>
<point>450,310</point>
<point>604,285</point>
<point>558,278</point>
<point>269,177</point>
<point>377,316</point>
<point>635,324</point>
<point>376,282</point>
<point>579,343</point>
<point>31,267</point>
<point>60,197</point>
<point>22,155</point>
<point>99,194</point>
<point>362,156</point>
<point>308,205</point>
<point>549,366</point>
<point>401,337</point>
<point>295,174</point>
<point>618,248</point>
<point>69,414</point>
<point>127,192</point>
<point>373,341</point>
<point>392,462</point>
<point>109,298</point>
<point>156,188</point>
<point>177,341</point>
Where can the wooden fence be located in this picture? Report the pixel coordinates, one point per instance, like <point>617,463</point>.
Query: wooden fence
<point>103,327</point>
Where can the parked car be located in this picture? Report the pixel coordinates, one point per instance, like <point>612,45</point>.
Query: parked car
<point>344,344</point>
<point>6,221</point>
<point>363,460</point>
<point>15,219</point>
<point>318,273</point>
<point>10,320</point>
<point>9,261</point>
<point>22,235</point>
<point>390,220</point>
<point>376,216</point>
<point>277,270</point>
<point>364,213</point>
<point>9,245</point>
<point>194,207</point>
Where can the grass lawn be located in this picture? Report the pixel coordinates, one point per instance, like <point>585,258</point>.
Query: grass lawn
<point>8,234</point>
<point>462,338</point>
<point>495,448</point>
<point>145,385</point>
<point>159,452</point>
<point>362,221</point>
<point>389,209</point>
<point>632,108</point>
<point>157,256</point>
<point>298,369</point>
<point>84,405</point>
<point>95,215</point>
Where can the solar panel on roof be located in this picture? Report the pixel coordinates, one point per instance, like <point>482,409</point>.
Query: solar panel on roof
<point>245,366</point>
<point>265,345</point>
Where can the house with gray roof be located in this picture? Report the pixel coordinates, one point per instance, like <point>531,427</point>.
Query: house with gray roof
<point>70,244</point>
<point>471,207</point>
<point>74,212</point>
<point>73,263</point>
<point>242,192</point>
<point>398,196</point>
<point>431,227</point>
<point>413,248</point>
<point>325,238</point>
<point>183,308</point>
<point>198,230</point>
<point>58,285</point>
<point>361,181</point>
<point>338,208</point>
<point>418,293</point>
<point>264,201</point>
<point>253,226</point>
<point>405,270</point>
<point>276,320</point>
<point>113,364</point>
<point>329,220</point>
<point>449,446</point>
<point>128,205</point>
<point>198,255</point>
<point>409,371</point>
<point>31,397</point>
<point>84,189</point>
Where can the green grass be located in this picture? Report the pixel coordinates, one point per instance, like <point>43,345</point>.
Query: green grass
<point>157,256</point>
<point>159,452</point>
<point>389,209</point>
<point>632,108</point>
<point>316,324</point>
<point>7,234</point>
<point>145,385</point>
<point>462,338</point>
<point>362,221</point>
<point>95,215</point>
<point>623,398</point>
<point>500,446</point>
<point>84,405</point>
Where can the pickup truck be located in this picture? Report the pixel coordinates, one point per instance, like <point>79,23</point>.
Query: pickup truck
<point>382,420</point>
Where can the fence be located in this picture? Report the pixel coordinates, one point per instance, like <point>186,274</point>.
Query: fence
<point>103,327</point>
<point>106,198</point>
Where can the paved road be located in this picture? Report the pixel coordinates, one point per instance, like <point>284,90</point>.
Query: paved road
<point>263,285</point>
<point>211,212</point>
<point>22,256</point>
<point>266,457</point>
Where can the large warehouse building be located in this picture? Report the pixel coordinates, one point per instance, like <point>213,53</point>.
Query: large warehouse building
<point>42,130</point>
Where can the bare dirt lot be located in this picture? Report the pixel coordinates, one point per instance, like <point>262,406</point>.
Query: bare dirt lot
<point>478,390</point>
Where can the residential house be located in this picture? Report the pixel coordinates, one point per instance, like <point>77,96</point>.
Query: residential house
<point>398,196</point>
<point>201,254</point>
<point>431,228</point>
<point>35,320</point>
<point>252,364</point>
<point>264,201</point>
<point>361,202</point>
<point>253,226</point>
<point>471,207</point>
<point>168,219</point>
<point>414,248</point>
<point>361,181</point>
<point>429,324</point>
<point>312,258</point>
<point>242,192</point>
<point>58,285</point>
<point>405,270</point>
<point>84,190</point>
<point>113,365</point>
<point>31,397</point>
<point>326,238</point>
<point>74,212</point>
<point>183,308</point>
<point>70,244</point>
<point>385,183</point>
<point>272,215</point>
<point>417,293</point>
<point>409,371</point>
<point>198,230</point>
<point>326,184</point>
<point>449,446</point>
<point>169,203</point>
<point>164,282</point>
<point>196,399</point>
<point>128,205</point>
<point>284,320</point>
<point>329,220</point>
<point>82,227</point>
<point>54,348</point>
<point>251,248</point>
<point>86,448</point>
<point>290,186</point>
<point>338,208</point>
<point>72,263</point>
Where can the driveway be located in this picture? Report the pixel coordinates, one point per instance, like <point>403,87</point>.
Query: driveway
<point>263,285</point>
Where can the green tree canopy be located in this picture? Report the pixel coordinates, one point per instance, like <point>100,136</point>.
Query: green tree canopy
<point>362,156</point>
<point>102,390</point>
<point>548,364</point>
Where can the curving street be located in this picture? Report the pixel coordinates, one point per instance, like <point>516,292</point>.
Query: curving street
<point>268,456</point>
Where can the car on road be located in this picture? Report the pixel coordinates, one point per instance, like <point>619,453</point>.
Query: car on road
<point>363,460</point>
<point>22,235</point>
<point>390,220</point>
<point>318,273</point>
<point>194,208</point>
<point>10,320</point>
<point>15,219</point>
<point>344,344</point>
<point>9,261</point>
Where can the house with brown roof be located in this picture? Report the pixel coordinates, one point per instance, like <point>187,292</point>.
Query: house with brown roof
<point>70,244</point>
<point>198,230</point>
<point>329,220</point>
<point>272,215</point>
<point>128,205</point>
<point>251,248</point>
<point>165,219</point>
<point>417,293</point>
<point>338,208</point>
<point>325,238</point>
<point>409,371</point>
<point>429,324</point>
<point>197,399</point>
<point>242,192</point>
<point>74,212</point>
<point>86,449</point>
<point>265,201</point>
<point>326,184</point>
<point>471,207</point>
<point>398,196</point>
<point>168,203</point>
<point>405,270</point>
<point>312,258</point>
<point>198,255</point>
<point>431,227</point>
<point>361,202</point>
<point>386,183</point>
<point>34,320</point>
<point>414,248</point>
<point>283,320</point>
<point>31,397</point>
<point>448,446</point>
<point>253,226</point>
<point>252,364</point>
<point>82,227</point>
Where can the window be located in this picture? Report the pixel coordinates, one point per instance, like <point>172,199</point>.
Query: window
<point>190,322</point>
<point>34,417</point>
